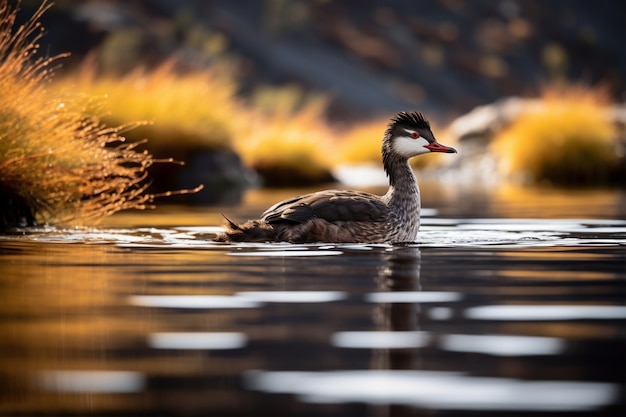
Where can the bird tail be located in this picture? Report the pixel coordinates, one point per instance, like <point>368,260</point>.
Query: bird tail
<point>250,231</point>
<point>231,225</point>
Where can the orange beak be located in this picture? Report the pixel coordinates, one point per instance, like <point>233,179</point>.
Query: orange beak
<point>438,147</point>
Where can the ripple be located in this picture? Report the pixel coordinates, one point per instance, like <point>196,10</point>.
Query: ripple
<point>435,232</point>
<point>293,296</point>
<point>543,313</point>
<point>193,301</point>
<point>197,341</point>
<point>502,345</point>
<point>413,297</point>
<point>455,237</point>
<point>92,381</point>
<point>287,253</point>
<point>435,390</point>
<point>381,339</point>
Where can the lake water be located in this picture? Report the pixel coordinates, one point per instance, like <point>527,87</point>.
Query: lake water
<point>510,303</point>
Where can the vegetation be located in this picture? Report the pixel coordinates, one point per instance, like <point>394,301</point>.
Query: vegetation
<point>64,157</point>
<point>192,109</point>
<point>279,133</point>
<point>285,138</point>
<point>569,139</point>
<point>58,162</point>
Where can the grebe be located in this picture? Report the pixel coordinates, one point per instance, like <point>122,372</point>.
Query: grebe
<point>353,216</point>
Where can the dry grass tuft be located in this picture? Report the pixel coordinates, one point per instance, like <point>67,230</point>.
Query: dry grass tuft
<point>193,109</point>
<point>568,140</point>
<point>280,132</point>
<point>362,143</point>
<point>285,138</point>
<point>58,162</point>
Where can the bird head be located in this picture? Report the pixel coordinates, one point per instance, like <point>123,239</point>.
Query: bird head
<point>409,135</point>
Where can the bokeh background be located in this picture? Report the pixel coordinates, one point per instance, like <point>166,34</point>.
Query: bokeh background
<point>372,57</point>
<point>285,93</point>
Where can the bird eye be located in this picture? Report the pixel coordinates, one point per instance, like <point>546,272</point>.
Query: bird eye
<point>415,135</point>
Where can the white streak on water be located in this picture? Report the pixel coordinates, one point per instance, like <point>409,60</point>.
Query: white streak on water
<point>92,381</point>
<point>196,341</point>
<point>543,313</point>
<point>193,301</point>
<point>435,390</point>
<point>503,345</point>
<point>287,253</point>
<point>381,339</point>
<point>292,296</point>
<point>413,297</point>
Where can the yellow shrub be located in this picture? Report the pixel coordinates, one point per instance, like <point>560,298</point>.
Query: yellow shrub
<point>280,133</point>
<point>194,109</point>
<point>362,143</point>
<point>285,138</point>
<point>568,140</point>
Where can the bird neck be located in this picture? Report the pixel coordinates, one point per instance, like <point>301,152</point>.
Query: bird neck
<point>403,189</point>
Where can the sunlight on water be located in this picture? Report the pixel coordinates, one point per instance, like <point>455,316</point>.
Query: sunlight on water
<point>413,297</point>
<point>247,299</point>
<point>193,301</point>
<point>195,341</point>
<point>380,340</point>
<point>92,381</point>
<point>147,315</point>
<point>293,296</point>
<point>438,390</point>
<point>497,345</point>
<point>503,345</point>
<point>433,233</point>
<point>539,313</point>
<point>288,253</point>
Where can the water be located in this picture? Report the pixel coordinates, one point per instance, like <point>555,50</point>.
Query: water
<point>496,313</point>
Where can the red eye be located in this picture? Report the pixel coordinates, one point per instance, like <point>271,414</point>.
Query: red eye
<point>415,135</point>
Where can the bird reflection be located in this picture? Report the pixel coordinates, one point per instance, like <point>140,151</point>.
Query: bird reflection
<point>402,273</point>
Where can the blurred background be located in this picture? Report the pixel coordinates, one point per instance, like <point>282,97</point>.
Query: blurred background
<point>289,93</point>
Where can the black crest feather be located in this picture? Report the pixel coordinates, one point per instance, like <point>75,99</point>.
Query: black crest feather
<point>410,119</point>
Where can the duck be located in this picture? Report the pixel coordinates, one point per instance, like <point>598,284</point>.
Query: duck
<point>346,216</point>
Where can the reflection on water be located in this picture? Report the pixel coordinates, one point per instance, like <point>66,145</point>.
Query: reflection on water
<point>487,316</point>
<point>201,341</point>
<point>92,381</point>
<point>380,339</point>
<point>503,345</point>
<point>533,312</point>
<point>436,390</point>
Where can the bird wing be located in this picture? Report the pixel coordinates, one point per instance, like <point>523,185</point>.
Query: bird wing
<point>332,206</point>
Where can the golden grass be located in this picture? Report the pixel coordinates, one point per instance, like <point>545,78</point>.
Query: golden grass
<point>285,138</point>
<point>362,143</point>
<point>58,162</point>
<point>568,140</point>
<point>280,132</point>
<point>193,109</point>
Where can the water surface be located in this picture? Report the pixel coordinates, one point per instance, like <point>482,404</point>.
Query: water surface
<point>496,313</point>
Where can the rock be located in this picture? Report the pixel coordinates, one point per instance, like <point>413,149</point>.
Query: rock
<point>474,131</point>
<point>484,121</point>
<point>220,171</point>
<point>15,210</point>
